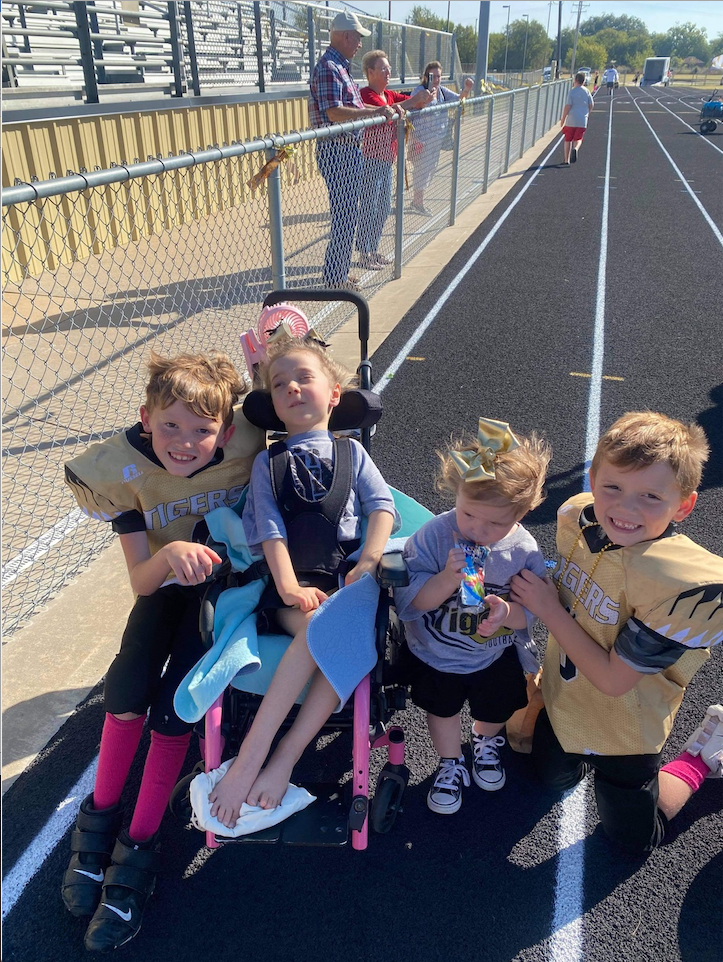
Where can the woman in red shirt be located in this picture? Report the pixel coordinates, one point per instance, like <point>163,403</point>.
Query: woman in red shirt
<point>379,148</point>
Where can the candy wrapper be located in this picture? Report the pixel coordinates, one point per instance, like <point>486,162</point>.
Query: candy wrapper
<point>472,588</point>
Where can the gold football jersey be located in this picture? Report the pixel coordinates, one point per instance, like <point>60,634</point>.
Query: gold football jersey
<point>113,477</point>
<point>673,588</point>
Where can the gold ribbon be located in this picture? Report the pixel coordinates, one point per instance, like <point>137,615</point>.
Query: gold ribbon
<point>284,154</point>
<point>478,464</point>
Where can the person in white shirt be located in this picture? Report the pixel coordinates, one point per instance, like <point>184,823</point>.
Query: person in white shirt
<point>611,77</point>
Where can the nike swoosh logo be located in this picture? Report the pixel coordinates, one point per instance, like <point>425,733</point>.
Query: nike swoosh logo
<point>126,916</point>
<point>91,875</point>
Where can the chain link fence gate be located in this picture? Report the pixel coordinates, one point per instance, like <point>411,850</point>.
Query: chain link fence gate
<point>177,254</point>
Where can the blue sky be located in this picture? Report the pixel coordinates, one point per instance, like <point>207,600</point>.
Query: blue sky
<point>657,15</point>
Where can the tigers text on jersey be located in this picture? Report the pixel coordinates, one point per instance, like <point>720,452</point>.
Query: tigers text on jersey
<point>659,603</point>
<point>115,477</point>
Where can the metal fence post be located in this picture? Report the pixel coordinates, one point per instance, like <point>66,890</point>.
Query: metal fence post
<point>509,130</point>
<point>80,8</point>
<point>176,51</point>
<point>404,55</point>
<point>312,39</point>
<point>380,34</point>
<point>259,47</point>
<point>524,123</point>
<point>191,40</point>
<point>547,104</point>
<point>489,144</point>
<point>537,114</point>
<point>97,45</point>
<point>455,166</point>
<point>399,214</point>
<point>276,225</point>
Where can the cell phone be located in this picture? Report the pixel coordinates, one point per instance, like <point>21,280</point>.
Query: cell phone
<point>426,82</point>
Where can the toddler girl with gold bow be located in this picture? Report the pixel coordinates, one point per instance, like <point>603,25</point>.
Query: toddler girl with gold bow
<point>458,653</point>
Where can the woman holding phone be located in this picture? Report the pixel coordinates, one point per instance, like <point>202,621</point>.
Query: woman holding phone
<point>430,131</point>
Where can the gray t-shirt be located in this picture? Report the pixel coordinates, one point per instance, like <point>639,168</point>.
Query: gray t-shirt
<point>446,638</point>
<point>579,100</point>
<point>313,459</point>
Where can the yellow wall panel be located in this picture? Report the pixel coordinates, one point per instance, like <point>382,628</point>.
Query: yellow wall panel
<point>62,230</point>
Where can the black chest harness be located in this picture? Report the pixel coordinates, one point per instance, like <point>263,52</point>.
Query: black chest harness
<point>312,526</point>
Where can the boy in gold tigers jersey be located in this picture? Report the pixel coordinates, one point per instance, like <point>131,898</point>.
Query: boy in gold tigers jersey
<point>632,610</point>
<point>191,451</point>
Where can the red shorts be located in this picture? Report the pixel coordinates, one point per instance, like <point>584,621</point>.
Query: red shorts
<point>573,133</point>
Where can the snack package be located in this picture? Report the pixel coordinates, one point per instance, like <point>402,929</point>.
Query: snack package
<point>472,588</point>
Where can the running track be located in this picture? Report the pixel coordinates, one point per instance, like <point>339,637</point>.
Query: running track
<point>589,291</point>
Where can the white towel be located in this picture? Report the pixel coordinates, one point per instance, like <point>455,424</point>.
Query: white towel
<point>251,818</point>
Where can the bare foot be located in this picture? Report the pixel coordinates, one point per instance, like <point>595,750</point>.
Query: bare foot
<point>232,790</point>
<point>270,787</point>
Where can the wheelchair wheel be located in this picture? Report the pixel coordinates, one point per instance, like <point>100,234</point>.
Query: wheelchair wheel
<point>386,803</point>
<point>179,804</point>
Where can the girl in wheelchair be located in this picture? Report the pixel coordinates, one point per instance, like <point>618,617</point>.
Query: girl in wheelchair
<point>307,500</point>
<point>477,648</point>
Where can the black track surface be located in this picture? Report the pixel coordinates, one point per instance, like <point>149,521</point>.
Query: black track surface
<point>506,344</point>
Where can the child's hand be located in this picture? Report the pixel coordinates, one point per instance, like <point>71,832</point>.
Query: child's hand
<point>538,595</point>
<point>306,599</point>
<point>456,560</point>
<point>191,563</point>
<point>498,616</point>
<point>362,566</point>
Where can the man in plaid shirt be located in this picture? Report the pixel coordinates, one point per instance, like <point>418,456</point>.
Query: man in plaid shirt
<point>334,97</point>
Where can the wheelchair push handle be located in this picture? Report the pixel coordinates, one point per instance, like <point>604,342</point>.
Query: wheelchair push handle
<point>322,294</point>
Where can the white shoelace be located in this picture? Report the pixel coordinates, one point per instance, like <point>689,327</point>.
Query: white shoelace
<point>486,750</point>
<point>450,773</point>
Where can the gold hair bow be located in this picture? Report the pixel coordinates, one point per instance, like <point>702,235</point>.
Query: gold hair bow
<point>478,464</point>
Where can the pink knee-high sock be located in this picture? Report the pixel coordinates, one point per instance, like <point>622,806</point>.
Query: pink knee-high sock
<point>690,769</point>
<point>118,745</point>
<point>162,768</point>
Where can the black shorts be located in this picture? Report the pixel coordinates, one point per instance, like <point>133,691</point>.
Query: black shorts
<point>162,630</point>
<point>494,693</point>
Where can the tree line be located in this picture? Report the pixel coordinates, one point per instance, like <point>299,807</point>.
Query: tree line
<point>623,40</point>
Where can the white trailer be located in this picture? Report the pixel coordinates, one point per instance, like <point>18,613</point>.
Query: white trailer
<point>656,71</point>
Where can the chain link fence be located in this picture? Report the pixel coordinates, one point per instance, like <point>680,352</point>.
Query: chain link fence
<point>177,254</point>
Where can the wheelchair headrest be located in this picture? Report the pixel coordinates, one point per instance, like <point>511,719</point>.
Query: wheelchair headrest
<point>356,409</point>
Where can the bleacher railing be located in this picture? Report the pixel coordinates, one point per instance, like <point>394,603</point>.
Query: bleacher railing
<point>180,47</point>
<point>177,254</point>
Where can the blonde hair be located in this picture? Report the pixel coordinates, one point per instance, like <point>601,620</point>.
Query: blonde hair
<point>208,384</point>
<point>641,438</point>
<point>519,474</point>
<point>336,372</point>
<point>369,60</point>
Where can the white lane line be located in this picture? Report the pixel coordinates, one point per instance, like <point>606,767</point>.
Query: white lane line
<point>566,943</point>
<point>709,220</point>
<point>449,290</point>
<point>45,841</point>
<point>696,132</point>
<point>41,546</point>
<point>567,935</point>
<point>592,432</point>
